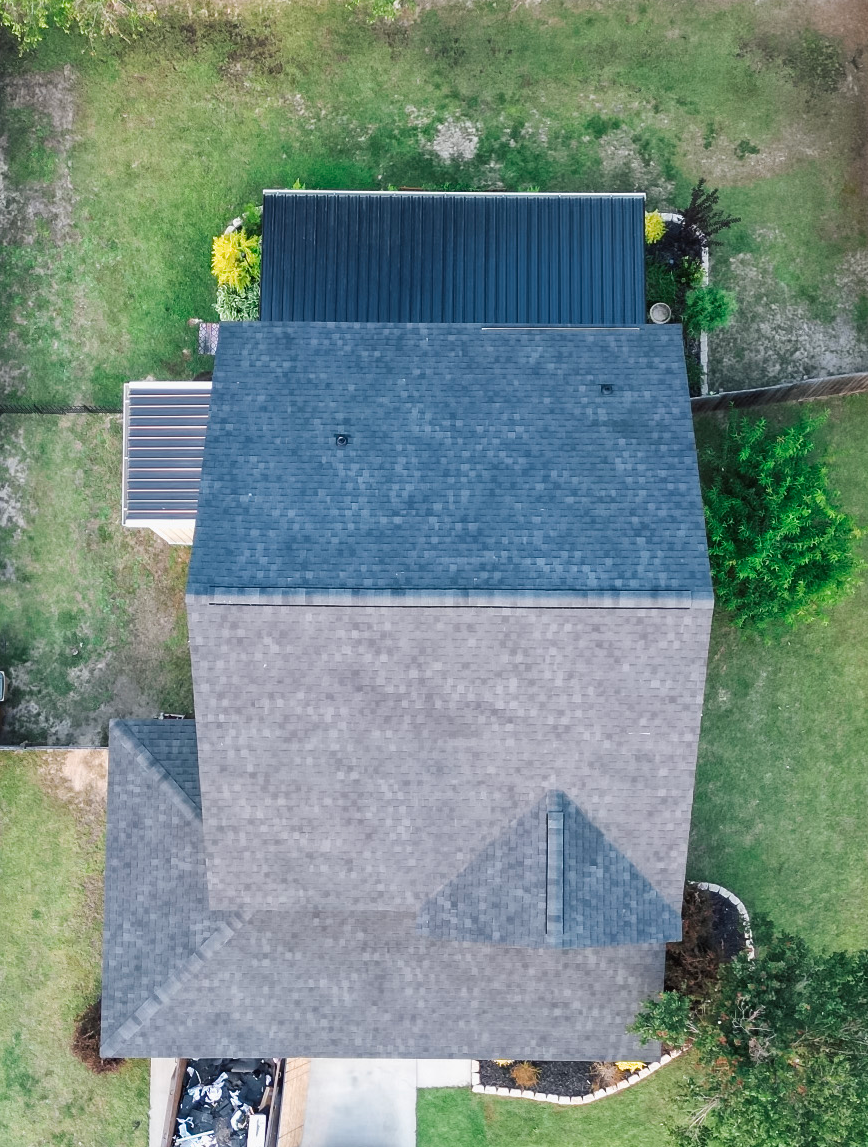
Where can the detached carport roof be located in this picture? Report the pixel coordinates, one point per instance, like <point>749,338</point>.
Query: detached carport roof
<point>448,257</point>
<point>164,440</point>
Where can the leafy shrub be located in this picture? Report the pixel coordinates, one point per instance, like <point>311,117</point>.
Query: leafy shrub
<point>815,61</point>
<point>702,218</point>
<point>28,20</point>
<point>689,272</point>
<point>234,306</point>
<point>251,219</point>
<point>526,1075</point>
<point>707,309</point>
<point>235,259</point>
<point>668,283</point>
<point>744,148</point>
<point>783,1051</point>
<point>665,1018</point>
<point>781,550</point>
<point>660,285</point>
<point>629,1065</point>
<point>598,125</point>
<point>655,227</point>
<point>605,1075</point>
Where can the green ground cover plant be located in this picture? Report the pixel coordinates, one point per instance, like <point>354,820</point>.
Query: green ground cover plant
<point>51,905</point>
<point>453,1117</point>
<point>780,778</point>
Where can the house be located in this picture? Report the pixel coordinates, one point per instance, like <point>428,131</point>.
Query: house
<point>449,606</point>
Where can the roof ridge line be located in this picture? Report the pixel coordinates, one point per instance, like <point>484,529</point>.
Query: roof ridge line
<point>149,763</point>
<point>187,970</point>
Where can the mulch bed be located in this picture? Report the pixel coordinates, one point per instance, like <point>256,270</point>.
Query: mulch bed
<point>567,1077</point>
<point>85,1041</point>
<point>713,934</point>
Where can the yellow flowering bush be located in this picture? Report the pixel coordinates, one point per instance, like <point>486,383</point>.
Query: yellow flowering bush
<point>629,1065</point>
<point>655,227</point>
<point>235,259</point>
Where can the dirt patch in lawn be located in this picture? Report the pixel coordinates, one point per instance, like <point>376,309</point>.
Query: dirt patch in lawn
<point>774,337</point>
<point>40,108</point>
<point>78,778</point>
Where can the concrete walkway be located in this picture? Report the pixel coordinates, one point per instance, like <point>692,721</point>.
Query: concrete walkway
<point>350,1102</point>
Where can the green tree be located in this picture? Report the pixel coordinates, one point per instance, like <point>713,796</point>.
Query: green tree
<point>780,548</point>
<point>28,20</point>
<point>782,1051</point>
<point>707,309</point>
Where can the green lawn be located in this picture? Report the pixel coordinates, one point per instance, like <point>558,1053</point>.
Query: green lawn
<point>124,161</point>
<point>638,1118</point>
<point>781,783</point>
<point>50,943</point>
<point>92,620</point>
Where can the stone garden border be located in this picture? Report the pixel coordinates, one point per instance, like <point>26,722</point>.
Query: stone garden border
<point>675,217</point>
<point>572,1100</point>
<point>635,1077</point>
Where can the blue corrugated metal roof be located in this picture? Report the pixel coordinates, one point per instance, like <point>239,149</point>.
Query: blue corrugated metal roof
<point>442,257</point>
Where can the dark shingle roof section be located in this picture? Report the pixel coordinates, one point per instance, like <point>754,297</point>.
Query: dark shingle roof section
<point>507,894</point>
<point>164,440</point>
<point>157,927</point>
<point>478,461</point>
<point>179,979</point>
<point>434,257</point>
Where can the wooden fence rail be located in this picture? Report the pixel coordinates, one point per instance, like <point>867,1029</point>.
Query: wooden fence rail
<point>787,392</point>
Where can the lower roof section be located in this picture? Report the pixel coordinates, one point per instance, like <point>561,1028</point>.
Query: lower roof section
<point>182,980</point>
<point>164,442</point>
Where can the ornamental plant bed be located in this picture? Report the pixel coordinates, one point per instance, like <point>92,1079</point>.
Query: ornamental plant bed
<point>676,247</point>
<point>713,933</point>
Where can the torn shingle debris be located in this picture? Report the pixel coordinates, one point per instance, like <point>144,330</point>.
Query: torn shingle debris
<point>225,1103</point>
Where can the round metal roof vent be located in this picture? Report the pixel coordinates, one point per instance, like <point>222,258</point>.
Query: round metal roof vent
<point>342,439</point>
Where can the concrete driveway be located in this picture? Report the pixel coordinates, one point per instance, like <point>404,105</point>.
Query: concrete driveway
<point>361,1103</point>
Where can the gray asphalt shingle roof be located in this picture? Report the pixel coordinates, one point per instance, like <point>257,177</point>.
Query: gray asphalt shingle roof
<point>182,979</point>
<point>583,893</point>
<point>479,461</point>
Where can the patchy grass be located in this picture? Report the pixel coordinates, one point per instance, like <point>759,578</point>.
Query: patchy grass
<point>453,1117</point>
<point>92,620</point>
<point>781,783</point>
<point>179,127</point>
<point>125,161</point>
<point>51,906</point>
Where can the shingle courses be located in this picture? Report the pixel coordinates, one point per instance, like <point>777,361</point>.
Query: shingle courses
<point>180,979</point>
<point>478,460</point>
<point>371,752</point>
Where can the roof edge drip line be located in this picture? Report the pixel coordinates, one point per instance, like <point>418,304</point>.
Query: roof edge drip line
<point>475,599</point>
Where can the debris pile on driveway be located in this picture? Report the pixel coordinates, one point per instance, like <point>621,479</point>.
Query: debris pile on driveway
<point>225,1103</point>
